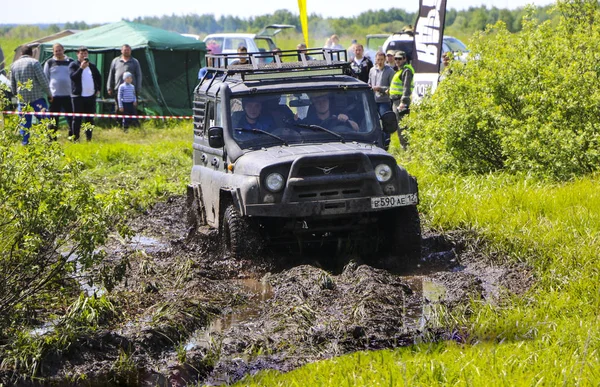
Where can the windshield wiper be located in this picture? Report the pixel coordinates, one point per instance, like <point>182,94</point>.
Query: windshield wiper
<point>317,127</point>
<point>263,132</point>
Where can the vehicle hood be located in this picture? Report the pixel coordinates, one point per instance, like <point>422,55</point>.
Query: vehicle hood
<point>251,163</point>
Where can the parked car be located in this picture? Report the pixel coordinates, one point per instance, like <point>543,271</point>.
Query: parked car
<point>227,43</point>
<point>269,169</point>
<point>404,41</point>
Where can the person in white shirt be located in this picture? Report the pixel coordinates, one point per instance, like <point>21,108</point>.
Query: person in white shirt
<point>360,65</point>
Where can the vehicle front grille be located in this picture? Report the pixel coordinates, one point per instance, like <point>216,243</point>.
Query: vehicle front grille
<point>331,177</point>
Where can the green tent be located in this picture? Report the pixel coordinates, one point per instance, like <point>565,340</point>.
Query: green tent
<point>170,62</point>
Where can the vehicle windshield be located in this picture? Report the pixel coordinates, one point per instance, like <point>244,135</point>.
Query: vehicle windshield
<point>300,118</point>
<point>455,45</point>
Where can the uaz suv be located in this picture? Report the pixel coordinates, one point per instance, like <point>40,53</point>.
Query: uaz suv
<point>291,152</point>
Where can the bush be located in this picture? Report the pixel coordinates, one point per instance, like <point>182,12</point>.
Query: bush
<point>526,102</point>
<point>51,221</point>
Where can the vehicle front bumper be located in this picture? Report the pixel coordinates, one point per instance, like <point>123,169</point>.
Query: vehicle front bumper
<point>323,207</point>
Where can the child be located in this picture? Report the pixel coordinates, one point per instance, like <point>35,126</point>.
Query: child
<point>127,99</point>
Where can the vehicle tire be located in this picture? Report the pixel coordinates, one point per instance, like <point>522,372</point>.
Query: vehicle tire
<point>405,237</point>
<point>239,235</point>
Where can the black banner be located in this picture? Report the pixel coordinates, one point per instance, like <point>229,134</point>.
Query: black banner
<point>429,33</point>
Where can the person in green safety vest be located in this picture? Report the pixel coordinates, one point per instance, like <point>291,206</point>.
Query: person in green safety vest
<point>402,82</point>
<point>401,88</point>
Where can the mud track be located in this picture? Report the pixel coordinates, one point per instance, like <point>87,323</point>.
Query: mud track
<point>190,315</point>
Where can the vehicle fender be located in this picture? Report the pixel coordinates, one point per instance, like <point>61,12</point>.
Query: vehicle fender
<point>247,191</point>
<point>407,182</point>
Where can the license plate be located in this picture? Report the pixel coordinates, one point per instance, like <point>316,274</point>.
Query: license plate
<point>394,201</point>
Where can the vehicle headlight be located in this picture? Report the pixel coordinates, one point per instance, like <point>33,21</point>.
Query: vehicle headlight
<point>383,173</point>
<point>274,182</point>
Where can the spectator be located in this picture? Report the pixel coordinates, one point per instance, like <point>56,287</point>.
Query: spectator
<point>334,42</point>
<point>351,50</point>
<point>276,56</point>
<point>361,65</point>
<point>204,70</point>
<point>56,70</point>
<point>127,99</point>
<point>446,59</point>
<point>401,89</point>
<point>242,58</point>
<point>2,72</point>
<point>301,47</point>
<point>380,79</point>
<point>390,61</point>
<point>119,66</point>
<point>402,83</point>
<point>22,70</point>
<point>86,83</point>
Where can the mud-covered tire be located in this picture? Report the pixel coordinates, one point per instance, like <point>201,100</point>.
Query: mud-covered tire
<point>239,235</point>
<point>405,236</point>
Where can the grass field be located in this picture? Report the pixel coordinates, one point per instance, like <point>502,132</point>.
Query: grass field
<point>149,163</point>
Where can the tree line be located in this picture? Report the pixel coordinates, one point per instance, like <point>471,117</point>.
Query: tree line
<point>461,23</point>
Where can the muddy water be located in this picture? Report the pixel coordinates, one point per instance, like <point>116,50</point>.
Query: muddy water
<point>258,291</point>
<point>420,308</point>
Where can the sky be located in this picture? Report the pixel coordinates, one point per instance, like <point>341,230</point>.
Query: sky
<point>106,11</point>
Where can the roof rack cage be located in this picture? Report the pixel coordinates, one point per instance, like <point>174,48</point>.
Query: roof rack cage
<point>279,64</point>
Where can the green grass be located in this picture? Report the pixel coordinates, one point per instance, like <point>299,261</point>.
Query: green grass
<point>149,163</point>
<point>547,337</point>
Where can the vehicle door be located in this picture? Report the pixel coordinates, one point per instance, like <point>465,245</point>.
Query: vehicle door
<point>208,168</point>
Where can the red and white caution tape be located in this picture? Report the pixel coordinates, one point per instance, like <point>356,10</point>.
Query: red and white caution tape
<point>94,115</point>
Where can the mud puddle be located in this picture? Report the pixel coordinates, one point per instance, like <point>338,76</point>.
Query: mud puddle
<point>259,291</point>
<point>191,316</point>
<point>421,308</point>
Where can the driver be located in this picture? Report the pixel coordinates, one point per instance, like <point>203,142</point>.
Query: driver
<point>252,117</point>
<point>321,113</point>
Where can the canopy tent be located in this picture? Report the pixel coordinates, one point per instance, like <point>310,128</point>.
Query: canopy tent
<point>170,62</point>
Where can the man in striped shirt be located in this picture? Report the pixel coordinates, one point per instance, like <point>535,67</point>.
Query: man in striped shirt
<point>23,70</point>
<point>126,99</point>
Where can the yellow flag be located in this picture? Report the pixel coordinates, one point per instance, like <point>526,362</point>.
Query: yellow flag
<point>303,20</point>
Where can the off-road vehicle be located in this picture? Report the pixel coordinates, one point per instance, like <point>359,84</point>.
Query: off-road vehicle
<point>291,152</point>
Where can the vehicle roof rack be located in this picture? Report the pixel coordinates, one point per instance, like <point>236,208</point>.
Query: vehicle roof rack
<point>281,64</point>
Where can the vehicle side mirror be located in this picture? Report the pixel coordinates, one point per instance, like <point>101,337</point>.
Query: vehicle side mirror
<point>389,122</point>
<point>215,137</point>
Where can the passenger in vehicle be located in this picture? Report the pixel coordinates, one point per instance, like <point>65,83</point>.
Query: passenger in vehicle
<point>252,116</point>
<point>320,113</point>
